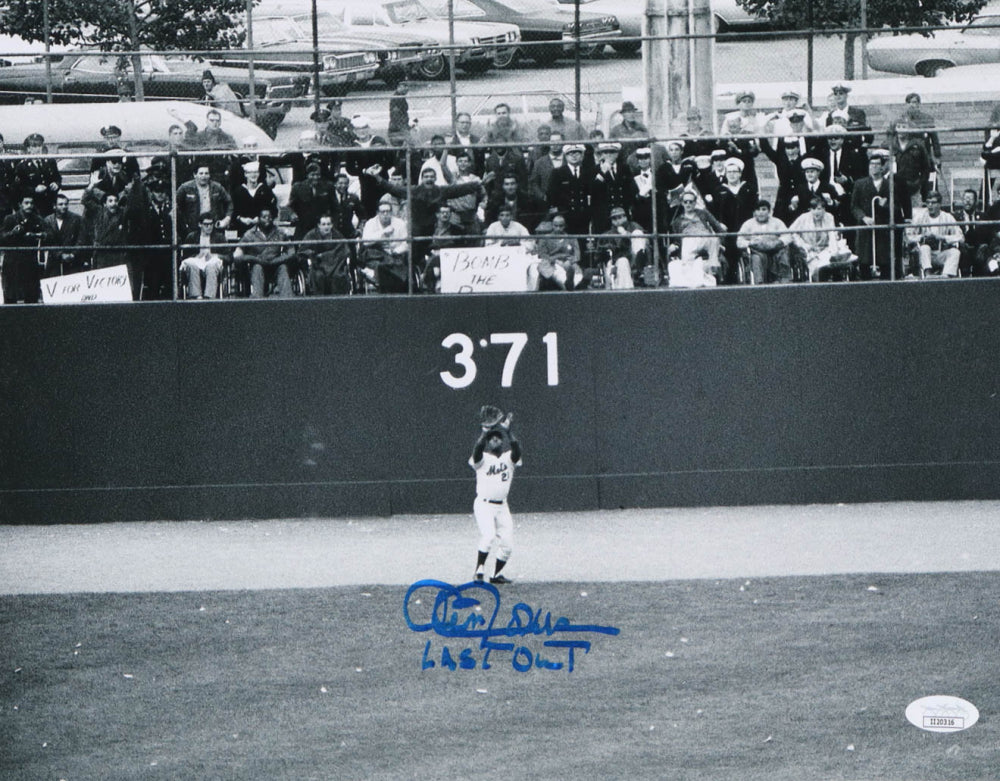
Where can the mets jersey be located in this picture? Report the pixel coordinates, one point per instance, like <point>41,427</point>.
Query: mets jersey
<point>494,474</point>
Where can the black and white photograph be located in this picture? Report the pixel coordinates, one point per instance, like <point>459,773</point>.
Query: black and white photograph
<point>612,381</point>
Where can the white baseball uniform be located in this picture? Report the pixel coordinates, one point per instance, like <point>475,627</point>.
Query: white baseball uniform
<point>493,478</point>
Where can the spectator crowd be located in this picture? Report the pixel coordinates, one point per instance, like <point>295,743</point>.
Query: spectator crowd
<point>370,213</point>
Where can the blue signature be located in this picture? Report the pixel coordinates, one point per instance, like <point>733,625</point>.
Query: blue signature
<point>469,612</point>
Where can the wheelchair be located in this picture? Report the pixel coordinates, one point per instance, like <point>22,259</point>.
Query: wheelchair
<point>377,274</point>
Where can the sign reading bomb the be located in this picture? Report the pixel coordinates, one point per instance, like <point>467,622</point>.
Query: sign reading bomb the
<point>486,270</point>
<point>99,285</point>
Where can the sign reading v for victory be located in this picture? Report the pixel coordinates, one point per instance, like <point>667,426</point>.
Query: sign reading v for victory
<point>99,285</point>
<point>485,270</point>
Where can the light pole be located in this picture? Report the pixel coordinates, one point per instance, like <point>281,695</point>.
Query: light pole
<point>315,32</point>
<point>48,60</point>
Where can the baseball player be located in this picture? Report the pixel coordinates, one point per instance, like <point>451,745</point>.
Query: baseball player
<point>494,457</point>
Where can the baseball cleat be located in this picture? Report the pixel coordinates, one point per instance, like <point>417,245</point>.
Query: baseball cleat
<point>500,579</point>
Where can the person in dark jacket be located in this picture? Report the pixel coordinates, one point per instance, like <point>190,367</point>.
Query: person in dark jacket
<point>21,267</point>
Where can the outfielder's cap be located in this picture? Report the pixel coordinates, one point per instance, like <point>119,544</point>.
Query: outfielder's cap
<point>253,165</point>
<point>360,121</point>
<point>609,146</point>
<point>841,88</point>
<point>812,163</point>
<point>567,148</point>
<point>617,211</point>
<point>878,153</point>
<point>111,130</point>
<point>643,151</point>
<point>736,163</point>
<point>628,105</point>
<point>744,94</point>
<point>790,93</point>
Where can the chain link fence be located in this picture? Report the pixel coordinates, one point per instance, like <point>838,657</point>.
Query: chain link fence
<point>512,94</point>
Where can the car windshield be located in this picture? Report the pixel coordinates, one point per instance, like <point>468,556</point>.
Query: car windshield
<point>984,25</point>
<point>406,11</point>
<point>276,29</point>
<point>102,63</point>
<point>463,8</point>
<point>531,6</point>
<point>177,63</point>
<point>326,24</point>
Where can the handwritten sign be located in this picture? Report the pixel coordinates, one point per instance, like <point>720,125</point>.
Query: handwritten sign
<point>99,285</point>
<point>468,618</point>
<point>485,270</point>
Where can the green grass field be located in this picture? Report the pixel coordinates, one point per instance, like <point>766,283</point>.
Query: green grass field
<point>784,678</point>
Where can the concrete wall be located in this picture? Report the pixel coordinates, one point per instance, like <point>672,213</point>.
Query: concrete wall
<point>326,407</point>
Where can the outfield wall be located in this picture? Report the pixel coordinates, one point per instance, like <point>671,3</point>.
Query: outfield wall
<point>337,406</point>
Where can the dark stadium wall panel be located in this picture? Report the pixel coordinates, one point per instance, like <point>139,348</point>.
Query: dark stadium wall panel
<point>367,406</point>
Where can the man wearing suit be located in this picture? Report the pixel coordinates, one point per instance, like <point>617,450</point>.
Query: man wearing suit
<point>569,191</point>
<point>870,207</point>
<point>464,138</point>
<point>67,236</point>
<point>310,199</point>
<point>852,118</point>
<point>843,166</point>
<point>541,171</point>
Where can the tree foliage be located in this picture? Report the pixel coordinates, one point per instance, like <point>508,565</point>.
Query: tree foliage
<point>124,24</point>
<point>841,14</point>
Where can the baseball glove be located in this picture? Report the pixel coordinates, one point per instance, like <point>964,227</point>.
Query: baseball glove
<point>490,416</point>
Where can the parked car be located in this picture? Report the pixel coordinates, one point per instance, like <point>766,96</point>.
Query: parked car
<point>279,43</point>
<point>477,44</point>
<point>14,50</point>
<point>348,56</point>
<point>404,53</point>
<point>97,76</point>
<point>541,22</point>
<point>975,43</point>
<point>729,17</point>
